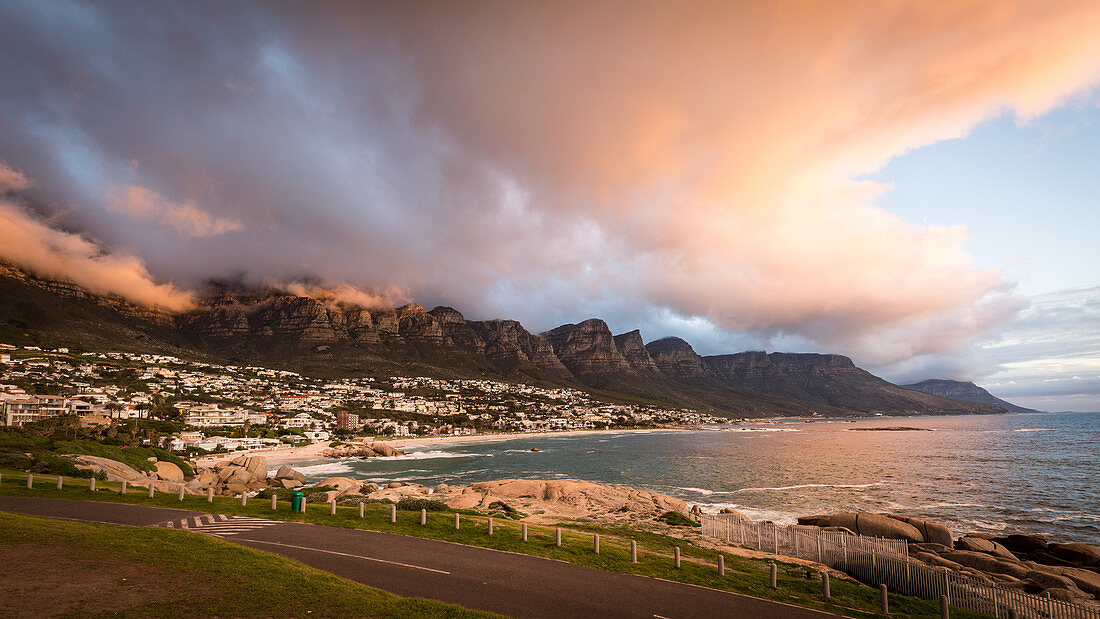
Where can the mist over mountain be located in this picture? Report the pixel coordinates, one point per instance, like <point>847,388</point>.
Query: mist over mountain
<point>282,329</point>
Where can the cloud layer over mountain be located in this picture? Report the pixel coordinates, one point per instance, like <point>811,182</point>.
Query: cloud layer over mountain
<point>692,169</point>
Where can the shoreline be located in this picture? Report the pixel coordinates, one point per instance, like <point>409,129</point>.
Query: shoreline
<point>314,451</point>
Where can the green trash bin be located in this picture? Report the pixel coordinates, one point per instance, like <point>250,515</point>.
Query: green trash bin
<point>296,500</point>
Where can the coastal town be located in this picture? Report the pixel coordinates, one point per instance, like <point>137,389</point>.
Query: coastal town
<point>231,408</point>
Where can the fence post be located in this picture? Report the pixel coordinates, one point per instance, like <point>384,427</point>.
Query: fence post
<point>210,494</point>
<point>361,506</point>
<point>774,575</point>
<point>123,489</point>
<point>945,608</point>
<point>947,584</point>
<point>91,485</point>
<point>633,551</point>
<point>180,492</point>
<point>759,538</point>
<point>457,521</point>
<point>884,599</point>
<point>558,534</point>
<point>393,513</point>
<point>490,525</point>
<point>332,507</point>
<point>60,482</point>
<point>676,556</point>
<point>244,499</point>
<point>721,565</point>
<point>30,481</point>
<point>423,516</point>
<point>523,531</point>
<point>274,502</point>
<point>775,537</point>
<point>596,543</point>
<point>825,589</point>
<point>152,489</point>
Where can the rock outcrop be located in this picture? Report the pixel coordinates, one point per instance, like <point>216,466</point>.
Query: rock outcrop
<point>241,475</point>
<point>118,471</point>
<point>588,348</point>
<point>676,358</point>
<point>632,349</point>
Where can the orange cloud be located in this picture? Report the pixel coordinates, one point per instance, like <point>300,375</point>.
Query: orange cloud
<point>12,180</point>
<point>142,203</point>
<point>52,253</point>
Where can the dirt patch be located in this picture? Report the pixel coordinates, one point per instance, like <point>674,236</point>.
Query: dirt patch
<point>47,582</point>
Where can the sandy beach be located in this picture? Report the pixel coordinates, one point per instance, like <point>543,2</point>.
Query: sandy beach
<point>313,451</point>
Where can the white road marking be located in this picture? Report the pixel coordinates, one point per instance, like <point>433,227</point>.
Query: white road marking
<point>344,554</point>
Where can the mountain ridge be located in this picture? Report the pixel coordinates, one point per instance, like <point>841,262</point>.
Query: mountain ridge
<point>966,392</point>
<point>285,330</point>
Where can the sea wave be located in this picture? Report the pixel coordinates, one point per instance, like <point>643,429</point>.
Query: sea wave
<point>1034,430</point>
<point>326,468</point>
<point>761,430</point>
<point>801,486</point>
<point>433,454</point>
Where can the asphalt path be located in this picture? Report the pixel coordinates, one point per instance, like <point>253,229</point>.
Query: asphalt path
<point>503,582</point>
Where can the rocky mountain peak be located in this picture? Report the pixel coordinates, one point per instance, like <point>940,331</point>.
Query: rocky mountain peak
<point>587,348</point>
<point>675,357</point>
<point>632,349</point>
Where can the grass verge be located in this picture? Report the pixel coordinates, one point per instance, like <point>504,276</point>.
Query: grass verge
<point>146,572</point>
<point>698,566</point>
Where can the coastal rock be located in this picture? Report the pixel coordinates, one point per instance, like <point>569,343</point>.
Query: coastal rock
<point>932,532</point>
<point>864,523</point>
<point>978,544</point>
<point>987,563</point>
<point>118,471</point>
<point>343,486</point>
<point>368,488</point>
<point>585,496</point>
<point>285,472</point>
<point>169,472</point>
<point>384,450</point>
<point>290,484</point>
<point>1077,554</point>
<point>1022,543</point>
<point>1046,580</point>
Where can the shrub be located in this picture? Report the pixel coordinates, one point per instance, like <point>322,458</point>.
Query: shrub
<point>506,510</point>
<point>416,504</point>
<point>677,519</point>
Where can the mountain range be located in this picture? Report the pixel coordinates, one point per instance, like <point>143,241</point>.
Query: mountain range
<point>966,392</point>
<point>323,338</point>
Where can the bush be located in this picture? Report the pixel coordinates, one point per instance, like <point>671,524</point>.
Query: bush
<point>53,465</point>
<point>415,504</point>
<point>506,510</point>
<point>677,519</point>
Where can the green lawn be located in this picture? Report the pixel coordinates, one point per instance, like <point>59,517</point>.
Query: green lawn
<point>76,569</point>
<point>743,575</point>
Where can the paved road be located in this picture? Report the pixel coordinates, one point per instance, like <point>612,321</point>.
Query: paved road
<point>507,583</point>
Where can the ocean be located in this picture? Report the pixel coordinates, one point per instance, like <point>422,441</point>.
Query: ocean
<point>1034,473</point>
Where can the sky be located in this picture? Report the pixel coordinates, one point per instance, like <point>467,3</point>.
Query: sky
<point>911,184</point>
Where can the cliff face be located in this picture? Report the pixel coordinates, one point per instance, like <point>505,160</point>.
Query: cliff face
<point>320,337</point>
<point>756,364</point>
<point>965,392</point>
<point>675,357</point>
<point>588,348</point>
<point>632,349</point>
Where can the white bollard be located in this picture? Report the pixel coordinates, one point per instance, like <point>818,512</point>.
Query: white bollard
<point>884,599</point>
<point>393,513</point>
<point>244,499</point>
<point>490,525</point>
<point>60,482</point>
<point>721,565</point>
<point>91,485</point>
<point>558,540</point>
<point>596,543</point>
<point>676,556</point>
<point>152,489</point>
<point>123,489</point>
<point>361,506</point>
<point>274,502</point>
<point>210,495</point>
<point>332,508</point>
<point>423,517</point>
<point>826,590</point>
<point>30,481</point>
<point>523,531</point>
<point>633,551</point>
<point>774,576</point>
<point>181,492</point>
<point>456,521</point>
